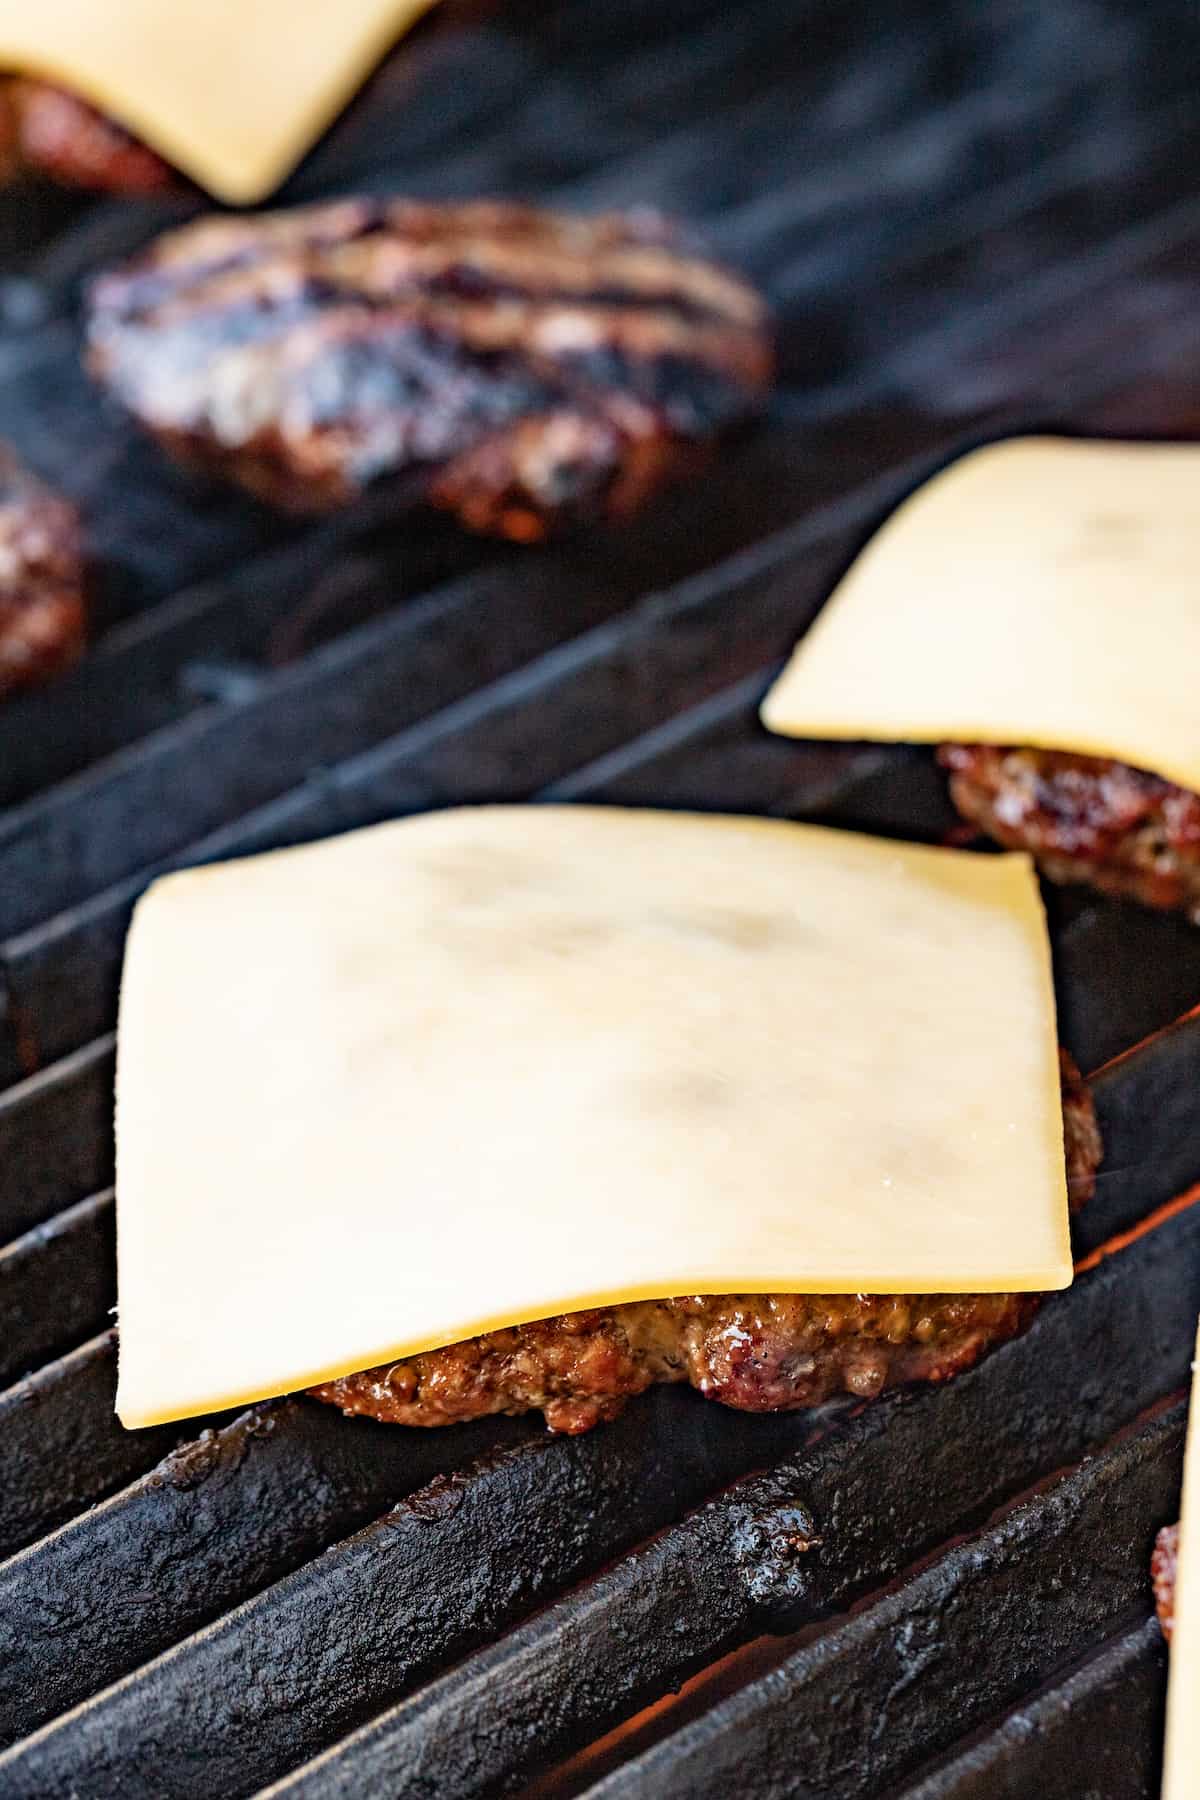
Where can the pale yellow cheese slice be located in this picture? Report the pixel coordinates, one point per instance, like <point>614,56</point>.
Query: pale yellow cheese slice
<point>483,1066</point>
<point>233,92</point>
<point>1181,1772</point>
<point>1040,591</point>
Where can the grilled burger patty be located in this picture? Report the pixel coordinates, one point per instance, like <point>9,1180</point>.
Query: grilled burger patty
<point>42,611</point>
<point>1162,1571</point>
<point>1084,818</point>
<point>522,369</point>
<point>49,131</point>
<point>758,1352</point>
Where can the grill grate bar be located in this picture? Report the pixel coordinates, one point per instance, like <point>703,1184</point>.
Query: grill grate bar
<point>427,1581</point>
<point>219,1519</point>
<point>425,1584</point>
<point>939,318</point>
<point>1155,955</point>
<point>1071,271</point>
<point>219,761</point>
<point>222,761</point>
<point>135,681</point>
<point>506,740</point>
<point>166,560</point>
<point>66,1256</point>
<point>32,961</point>
<point>524,131</point>
<point>879,1491</point>
<point>56,1285</point>
<point>1143,1099</point>
<point>1048,289</point>
<point>56,1137</point>
<point>1097,1733</point>
<point>854,208</point>
<point>107,720</point>
<point>61,977</point>
<point>941,1652</point>
<point>701,758</point>
<point>62,1447</point>
<point>63,973</point>
<point>832,245</point>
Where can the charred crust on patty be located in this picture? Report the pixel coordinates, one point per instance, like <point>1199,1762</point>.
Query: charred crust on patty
<point>43,613</point>
<point>50,131</point>
<point>525,370</point>
<point>1085,819</point>
<point>1082,1143</point>
<point>1163,1566</point>
<point>755,1352</point>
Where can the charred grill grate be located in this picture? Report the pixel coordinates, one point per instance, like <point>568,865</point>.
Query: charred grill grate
<point>970,219</point>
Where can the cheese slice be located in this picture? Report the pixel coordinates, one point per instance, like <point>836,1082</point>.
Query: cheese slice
<point>1039,592</point>
<point>1181,1771</point>
<point>483,1066</point>
<point>233,92</point>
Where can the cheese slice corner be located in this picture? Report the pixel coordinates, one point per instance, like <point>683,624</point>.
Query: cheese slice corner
<point>232,92</point>
<point>480,1067</point>
<point>1038,591</point>
<point>1181,1770</point>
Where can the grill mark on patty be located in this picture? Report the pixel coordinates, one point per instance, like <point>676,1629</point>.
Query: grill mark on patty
<point>500,241</point>
<point>305,368</point>
<point>541,367</point>
<point>607,345</point>
<point>375,279</point>
<point>210,248</point>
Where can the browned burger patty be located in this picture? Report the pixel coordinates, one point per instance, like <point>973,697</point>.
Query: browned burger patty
<point>522,369</point>
<point>758,1352</point>
<point>49,131</point>
<point>1162,1571</point>
<point>42,611</point>
<point>1084,818</point>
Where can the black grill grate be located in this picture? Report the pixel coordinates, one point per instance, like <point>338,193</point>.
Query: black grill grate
<point>1113,1702</point>
<point>970,220</point>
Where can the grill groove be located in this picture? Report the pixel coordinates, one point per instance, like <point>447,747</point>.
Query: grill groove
<point>643,1627</point>
<point>902,1676</point>
<point>1097,1734</point>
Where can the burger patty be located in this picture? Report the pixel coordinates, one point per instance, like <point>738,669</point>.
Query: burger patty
<point>1162,1572</point>
<point>1084,819</point>
<point>49,131</point>
<point>522,369</point>
<point>757,1352</point>
<point>42,611</point>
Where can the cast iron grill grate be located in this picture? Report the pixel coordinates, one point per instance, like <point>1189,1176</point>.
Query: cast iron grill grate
<point>970,220</point>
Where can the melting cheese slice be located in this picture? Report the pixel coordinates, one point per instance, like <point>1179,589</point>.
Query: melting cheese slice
<point>233,92</point>
<point>480,1067</point>
<point>1039,592</point>
<point>1181,1772</point>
